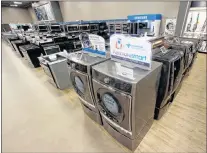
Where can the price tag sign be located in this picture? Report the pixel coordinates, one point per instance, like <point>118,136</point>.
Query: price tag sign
<point>93,44</point>
<point>163,49</point>
<point>131,49</point>
<point>177,39</point>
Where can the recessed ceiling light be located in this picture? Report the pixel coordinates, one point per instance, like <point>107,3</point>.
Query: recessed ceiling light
<point>14,5</point>
<point>17,2</point>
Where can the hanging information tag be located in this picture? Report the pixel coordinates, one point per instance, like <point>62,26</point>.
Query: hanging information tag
<point>93,44</point>
<point>131,49</point>
<point>163,49</point>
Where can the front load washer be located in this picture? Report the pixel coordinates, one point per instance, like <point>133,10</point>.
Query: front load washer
<point>126,104</point>
<point>80,75</point>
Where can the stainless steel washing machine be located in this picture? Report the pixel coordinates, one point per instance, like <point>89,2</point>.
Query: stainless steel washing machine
<point>126,104</point>
<point>80,75</point>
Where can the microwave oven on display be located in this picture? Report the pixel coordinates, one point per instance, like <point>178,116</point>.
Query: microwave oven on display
<point>125,28</point>
<point>25,27</point>
<point>56,27</point>
<point>143,25</point>
<point>43,27</point>
<point>112,26</point>
<point>51,50</point>
<point>94,27</point>
<point>84,27</point>
<point>72,28</point>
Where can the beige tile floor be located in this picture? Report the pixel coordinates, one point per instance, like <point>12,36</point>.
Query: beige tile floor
<point>36,117</point>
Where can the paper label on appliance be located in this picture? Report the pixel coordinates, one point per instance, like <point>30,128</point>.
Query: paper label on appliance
<point>163,49</point>
<point>124,71</point>
<point>93,44</point>
<point>131,49</point>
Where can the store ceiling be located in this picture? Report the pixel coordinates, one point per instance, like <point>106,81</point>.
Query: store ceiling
<point>18,4</point>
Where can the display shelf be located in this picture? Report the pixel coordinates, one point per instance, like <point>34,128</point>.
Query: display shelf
<point>204,33</point>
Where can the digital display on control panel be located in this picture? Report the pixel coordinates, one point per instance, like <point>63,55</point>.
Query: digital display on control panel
<point>110,103</point>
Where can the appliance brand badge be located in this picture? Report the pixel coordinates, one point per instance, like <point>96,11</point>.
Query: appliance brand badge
<point>133,46</point>
<point>140,18</point>
<point>119,44</point>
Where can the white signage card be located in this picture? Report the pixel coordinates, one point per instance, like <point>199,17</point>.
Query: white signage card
<point>93,44</point>
<point>131,49</point>
<point>163,49</point>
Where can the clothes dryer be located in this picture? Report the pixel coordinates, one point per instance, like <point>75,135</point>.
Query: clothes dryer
<point>171,75</point>
<point>124,103</point>
<point>80,64</point>
<point>187,50</point>
<point>196,45</point>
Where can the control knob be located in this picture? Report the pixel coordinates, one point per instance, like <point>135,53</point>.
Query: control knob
<point>73,65</point>
<point>106,80</point>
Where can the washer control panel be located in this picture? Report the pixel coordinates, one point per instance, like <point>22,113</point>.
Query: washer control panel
<point>113,82</point>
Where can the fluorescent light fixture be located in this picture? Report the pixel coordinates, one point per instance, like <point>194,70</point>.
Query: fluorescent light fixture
<point>14,5</point>
<point>17,2</point>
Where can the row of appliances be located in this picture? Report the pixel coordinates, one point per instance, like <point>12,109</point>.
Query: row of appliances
<point>33,44</point>
<point>74,29</point>
<point>134,24</point>
<point>120,104</point>
<point>35,48</point>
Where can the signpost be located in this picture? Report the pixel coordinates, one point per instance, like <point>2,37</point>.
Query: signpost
<point>93,44</point>
<point>131,49</point>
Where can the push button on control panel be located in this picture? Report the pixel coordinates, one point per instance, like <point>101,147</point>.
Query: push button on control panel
<point>106,80</point>
<point>73,65</point>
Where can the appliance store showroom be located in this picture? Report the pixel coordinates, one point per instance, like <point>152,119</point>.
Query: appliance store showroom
<point>103,76</point>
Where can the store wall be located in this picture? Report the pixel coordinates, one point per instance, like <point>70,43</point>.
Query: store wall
<point>32,14</point>
<point>15,15</point>
<point>111,10</point>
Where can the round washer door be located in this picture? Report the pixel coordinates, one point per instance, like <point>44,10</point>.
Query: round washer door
<point>79,84</point>
<point>111,104</point>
